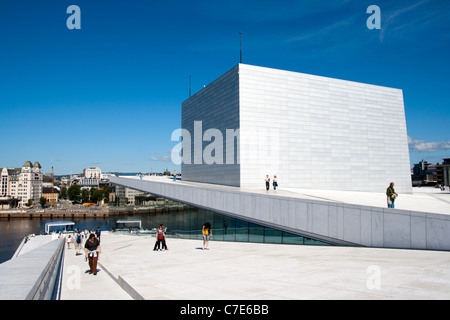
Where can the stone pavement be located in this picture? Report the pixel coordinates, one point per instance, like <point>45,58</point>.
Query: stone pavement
<point>78,284</point>
<point>249,271</point>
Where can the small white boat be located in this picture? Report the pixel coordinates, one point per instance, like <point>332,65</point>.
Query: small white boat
<point>59,226</point>
<point>128,225</point>
<point>133,226</point>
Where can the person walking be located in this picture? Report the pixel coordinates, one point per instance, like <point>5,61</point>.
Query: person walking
<point>207,234</point>
<point>69,240</point>
<point>78,244</point>
<point>275,183</point>
<point>160,239</point>
<point>92,250</point>
<point>98,233</point>
<point>267,182</point>
<point>391,195</point>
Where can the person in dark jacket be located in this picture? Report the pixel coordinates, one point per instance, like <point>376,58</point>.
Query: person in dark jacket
<point>92,250</point>
<point>267,182</point>
<point>98,233</point>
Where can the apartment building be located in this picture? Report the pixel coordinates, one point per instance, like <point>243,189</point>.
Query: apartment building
<point>23,183</point>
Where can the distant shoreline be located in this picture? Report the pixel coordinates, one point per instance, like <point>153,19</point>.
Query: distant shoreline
<point>87,212</point>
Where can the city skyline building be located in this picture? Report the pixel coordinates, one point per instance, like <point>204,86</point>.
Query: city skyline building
<point>310,131</point>
<point>92,173</point>
<point>23,183</point>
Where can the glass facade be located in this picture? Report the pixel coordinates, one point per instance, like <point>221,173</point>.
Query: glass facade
<point>188,225</point>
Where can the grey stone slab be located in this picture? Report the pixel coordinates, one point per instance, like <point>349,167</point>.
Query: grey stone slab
<point>418,232</point>
<point>366,227</point>
<point>352,225</point>
<point>438,232</point>
<point>320,218</point>
<point>377,231</point>
<point>397,231</point>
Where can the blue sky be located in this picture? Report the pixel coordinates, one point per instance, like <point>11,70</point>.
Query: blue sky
<point>110,94</point>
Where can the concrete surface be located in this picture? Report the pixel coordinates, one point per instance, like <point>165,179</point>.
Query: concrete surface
<point>236,271</point>
<point>78,284</point>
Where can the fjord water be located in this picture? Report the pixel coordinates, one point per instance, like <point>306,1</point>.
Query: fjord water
<point>13,231</point>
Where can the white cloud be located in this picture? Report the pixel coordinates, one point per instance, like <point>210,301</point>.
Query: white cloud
<point>423,146</point>
<point>160,158</point>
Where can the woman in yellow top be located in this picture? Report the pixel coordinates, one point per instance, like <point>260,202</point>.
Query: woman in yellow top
<point>206,232</point>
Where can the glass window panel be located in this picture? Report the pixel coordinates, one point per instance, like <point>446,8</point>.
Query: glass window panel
<point>256,233</point>
<point>310,242</point>
<point>272,236</point>
<point>289,238</point>
<point>229,229</point>
<point>241,231</point>
<point>218,227</point>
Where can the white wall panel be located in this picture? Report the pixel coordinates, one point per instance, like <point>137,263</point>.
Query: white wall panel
<point>310,131</point>
<point>331,133</point>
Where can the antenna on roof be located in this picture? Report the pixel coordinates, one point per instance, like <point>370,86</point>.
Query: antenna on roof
<point>240,39</point>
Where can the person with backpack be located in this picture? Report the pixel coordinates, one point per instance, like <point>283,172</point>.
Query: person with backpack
<point>78,244</point>
<point>98,233</point>
<point>160,239</point>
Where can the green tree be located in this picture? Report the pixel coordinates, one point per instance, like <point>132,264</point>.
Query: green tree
<point>84,196</point>
<point>74,192</point>
<point>42,202</point>
<point>96,195</point>
<point>29,203</point>
<point>92,194</point>
<point>106,193</point>
<point>63,193</point>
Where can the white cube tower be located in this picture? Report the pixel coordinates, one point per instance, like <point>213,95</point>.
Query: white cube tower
<point>310,131</point>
